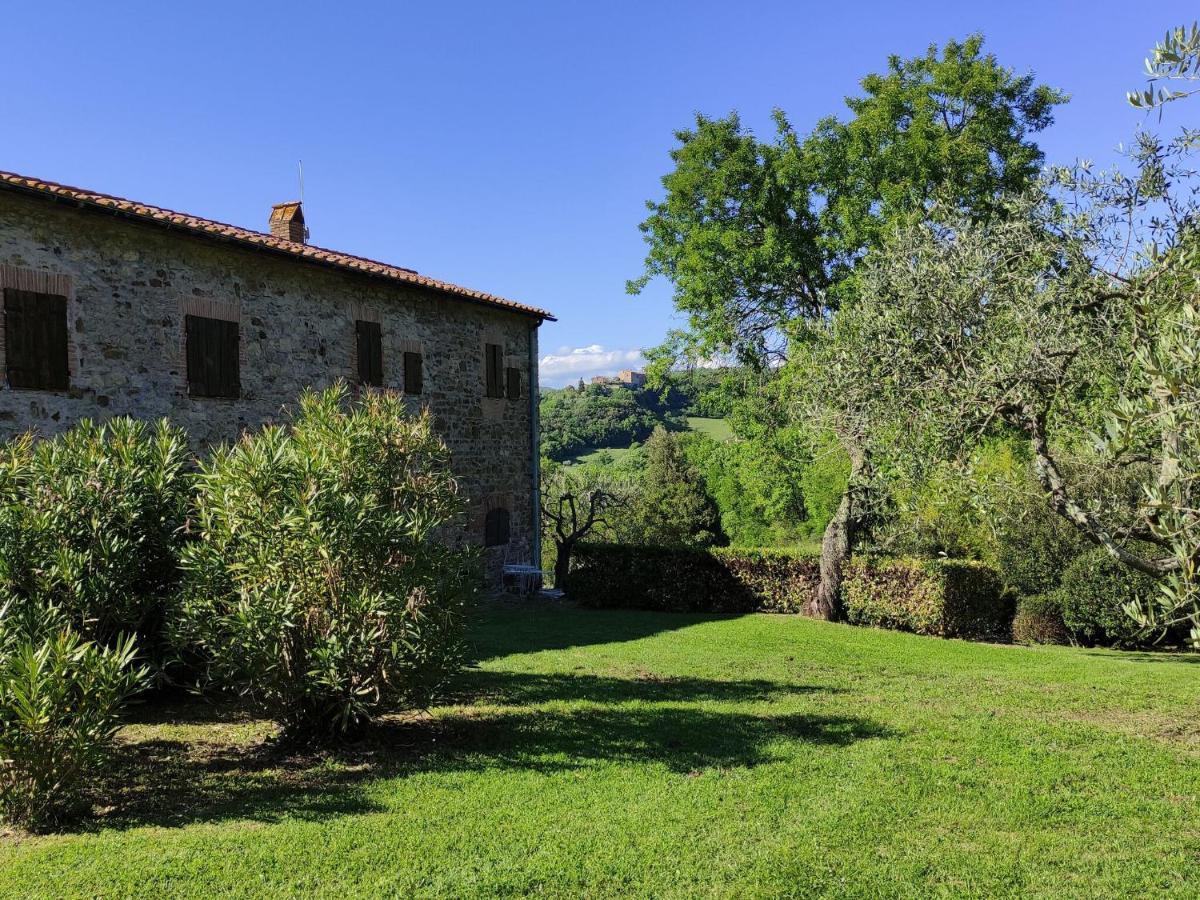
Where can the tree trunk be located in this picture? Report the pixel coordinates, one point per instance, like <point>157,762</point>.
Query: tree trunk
<point>562,562</point>
<point>835,548</point>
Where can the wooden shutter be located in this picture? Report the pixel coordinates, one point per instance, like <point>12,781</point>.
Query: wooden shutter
<point>213,366</point>
<point>370,352</point>
<point>512,379</point>
<point>412,373</point>
<point>35,340</point>
<point>496,528</point>
<point>495,370</point>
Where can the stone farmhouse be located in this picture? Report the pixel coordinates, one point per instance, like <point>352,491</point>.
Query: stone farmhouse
<point>113,307</point>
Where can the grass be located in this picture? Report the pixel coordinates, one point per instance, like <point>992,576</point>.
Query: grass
<point>717,429</point>
<point>603,754</point>
<point>615,454</point>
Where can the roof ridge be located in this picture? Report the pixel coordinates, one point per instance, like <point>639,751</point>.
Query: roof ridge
<point>260,239</point>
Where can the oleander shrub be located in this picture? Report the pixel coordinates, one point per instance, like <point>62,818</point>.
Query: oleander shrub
<point>682,579</point>
<point>1039,620</point>
<point>319,588</point>
<point>60,703</point>
<point>1094,593</point>
<point>942,597</point>
<point>90,523</point>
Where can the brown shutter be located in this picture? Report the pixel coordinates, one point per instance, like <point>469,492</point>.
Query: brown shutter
<point>495,370</point>
<point>370,353</point>
<point>496,528</point>
<point>229,334</point>
<point>412,373</point>
<point>512,378</point>
<point>35,333</point>
<point>213,364</point>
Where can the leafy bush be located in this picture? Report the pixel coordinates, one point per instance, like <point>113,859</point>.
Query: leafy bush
<point>943,597</point>
<point>90,524</point>
<point>1094,592</point>
<point>320,588</point>
<point>681,579</point>
<point>1039,620</point>
<point>60,699</point>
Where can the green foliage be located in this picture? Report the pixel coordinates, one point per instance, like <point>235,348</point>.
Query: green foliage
<point>320,588</point>
<point>576,420</point>
<point>942,597</point>
<point>673,506</point>
<point>683,579</point>
<point>823,482</point>
<point>1039,620</point>
<point>1095,594</point>
<point>1176,58</point>
<point>953,122</point>
<point>758,498</point>
<point>90,523</point>
<point>60,700</point>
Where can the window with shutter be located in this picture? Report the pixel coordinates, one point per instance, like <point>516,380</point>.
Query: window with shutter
<point>213,367</point>
<point>370,352</point>
<point>512,379</point>
<point>35,341</point>
<point>496,528</point>
<point>412,373</point>
<point>494,359</point>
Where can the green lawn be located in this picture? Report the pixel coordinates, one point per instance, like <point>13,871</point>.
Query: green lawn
<point>717,429</point>
<point>605,753</point>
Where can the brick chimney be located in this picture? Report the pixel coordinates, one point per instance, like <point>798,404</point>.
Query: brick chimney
<point>287,222</point>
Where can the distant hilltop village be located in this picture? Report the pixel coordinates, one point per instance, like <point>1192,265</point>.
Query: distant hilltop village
<point>625,378</point>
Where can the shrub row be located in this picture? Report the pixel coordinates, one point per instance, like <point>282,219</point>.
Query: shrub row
<point>680,579</point>
<point>949,598</point>
<point>299,568</point>
<point>941,597</point>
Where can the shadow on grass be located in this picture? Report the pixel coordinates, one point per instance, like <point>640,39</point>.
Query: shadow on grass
<point>588,722</point>
<point>559,625</point>
<point>521,689</point>
<point>1181,657</point>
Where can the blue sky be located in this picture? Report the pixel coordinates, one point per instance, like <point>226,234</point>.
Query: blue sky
<point>507,147</point>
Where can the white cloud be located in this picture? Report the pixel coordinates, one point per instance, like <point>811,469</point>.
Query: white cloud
<point>569,364</point>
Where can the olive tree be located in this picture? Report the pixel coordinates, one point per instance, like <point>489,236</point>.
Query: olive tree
<point>577,502</point>
<point>1044,322</point>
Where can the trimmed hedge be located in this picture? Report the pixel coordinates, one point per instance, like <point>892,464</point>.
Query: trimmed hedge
<point>680,579</point>
<point>1039,620</point>
<point>950,598</point>
<point>942,597</point>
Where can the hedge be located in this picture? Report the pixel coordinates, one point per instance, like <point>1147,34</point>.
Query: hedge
<point>950,598</point>
<point>942,597</point>
<point>677,579</point>
<point>1039,620</point>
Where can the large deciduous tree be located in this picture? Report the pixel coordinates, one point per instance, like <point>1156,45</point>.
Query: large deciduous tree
<point>761,239</point>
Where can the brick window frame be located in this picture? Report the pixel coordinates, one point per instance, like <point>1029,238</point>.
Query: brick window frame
<point>209,308</point>
<point>39,281</point>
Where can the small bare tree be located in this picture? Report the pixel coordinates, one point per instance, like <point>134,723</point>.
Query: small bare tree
<point>576,504</point>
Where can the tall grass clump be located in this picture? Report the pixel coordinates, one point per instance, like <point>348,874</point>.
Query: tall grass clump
<point>317,587</point>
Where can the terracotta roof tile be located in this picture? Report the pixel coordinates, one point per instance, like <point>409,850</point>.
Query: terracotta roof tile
<point>260,240</point>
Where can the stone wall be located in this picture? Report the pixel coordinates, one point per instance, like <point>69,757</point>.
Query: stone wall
<point>129,286</point>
